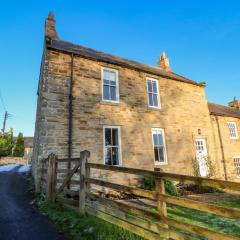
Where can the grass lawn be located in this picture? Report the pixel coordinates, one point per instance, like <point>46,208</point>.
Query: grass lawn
<point>92,228</point>
<point>207,220</point>
<point>83,227</point>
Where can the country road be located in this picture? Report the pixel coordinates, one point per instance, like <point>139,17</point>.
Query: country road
<point>19,220</point>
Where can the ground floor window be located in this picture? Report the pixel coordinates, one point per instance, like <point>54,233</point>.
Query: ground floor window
<point>112,146</point>
<point>158,138</point>
<point>237,165</point>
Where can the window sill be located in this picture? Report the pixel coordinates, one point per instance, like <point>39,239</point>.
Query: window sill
<point>120,165</point>
<point>155,109</point>
<point>109,102</point>
<point>160,164</point>
<point>234,138</point>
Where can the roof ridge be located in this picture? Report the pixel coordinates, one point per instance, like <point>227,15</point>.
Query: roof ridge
<point>110,58</point>
<point>223,110</point>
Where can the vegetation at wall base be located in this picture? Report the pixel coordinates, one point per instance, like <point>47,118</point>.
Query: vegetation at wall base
<point>196,189</point>
<point>83,227</point>
<point>149,184</point>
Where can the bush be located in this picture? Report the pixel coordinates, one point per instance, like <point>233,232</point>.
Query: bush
<point>18,149</point>
<point>170,188</point>
<point>6,145</point>
<point>149,184</point>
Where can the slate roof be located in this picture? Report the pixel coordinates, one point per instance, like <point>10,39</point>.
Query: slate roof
<point>108,58</point>
<point>221,110</point>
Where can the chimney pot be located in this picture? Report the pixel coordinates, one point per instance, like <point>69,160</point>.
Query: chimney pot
<point>50,30</point>
<point>235,103</point>
<point>163,62</point>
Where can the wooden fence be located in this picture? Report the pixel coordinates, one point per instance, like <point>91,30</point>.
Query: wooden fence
<point>137,219</point>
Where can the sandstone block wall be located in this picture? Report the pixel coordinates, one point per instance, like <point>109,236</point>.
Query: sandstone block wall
<point>231,147</point>
<point>183,115</point>
<point>13,160</point>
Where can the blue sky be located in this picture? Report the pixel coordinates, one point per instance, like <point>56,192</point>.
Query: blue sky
<point>201,39</point>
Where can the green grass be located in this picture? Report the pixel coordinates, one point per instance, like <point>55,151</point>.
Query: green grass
<point>92,228</point>
<point>230,203</point>
<point>83,227</point>
<point>207,220</point>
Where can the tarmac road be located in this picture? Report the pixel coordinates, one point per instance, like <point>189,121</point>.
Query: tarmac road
<point>19,219</point>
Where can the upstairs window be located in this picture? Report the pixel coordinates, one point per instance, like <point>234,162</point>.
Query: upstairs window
<point>112,149</point>
<point>236,161</point>
<point>233,134</point>
<point>110,90</point>
<point>160,154</point>
<point>153,94</point>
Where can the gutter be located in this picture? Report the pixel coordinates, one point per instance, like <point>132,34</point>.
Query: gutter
<point>222,148</point>
<point>70,113</point>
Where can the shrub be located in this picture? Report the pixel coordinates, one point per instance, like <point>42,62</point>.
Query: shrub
<point>149,184</point>
<point>18,149</point>
<point>170,188</point>
<point>6,144</point>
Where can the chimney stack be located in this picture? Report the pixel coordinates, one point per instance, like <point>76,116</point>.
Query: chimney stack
<point>163,63</point>
<point>50,30</point>
<point>234,104</point>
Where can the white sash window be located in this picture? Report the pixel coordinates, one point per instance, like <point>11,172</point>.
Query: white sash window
<point>153,93</point>
<point>110,89</point>
<point>159,147</point>
<point>112,146</point>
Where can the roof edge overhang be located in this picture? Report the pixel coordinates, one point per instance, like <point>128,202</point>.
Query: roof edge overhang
<point>177,77</point>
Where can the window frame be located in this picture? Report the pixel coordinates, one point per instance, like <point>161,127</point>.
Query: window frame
<point>158,93</point>
<point>117,84</point>
<point>119,140</point>
<point>236,130</point>
<point>165,147</point>
<point>236,168</point>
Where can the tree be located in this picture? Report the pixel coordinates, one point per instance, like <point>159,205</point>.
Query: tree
<point>18,149</point>
<point>6,144</point>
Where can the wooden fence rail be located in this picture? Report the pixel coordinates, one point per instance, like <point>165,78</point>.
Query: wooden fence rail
<point>137,219</point>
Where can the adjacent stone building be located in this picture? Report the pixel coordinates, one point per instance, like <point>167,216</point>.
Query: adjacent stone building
<point>125,113</point>
<point>226,126</point>
<point>28,148</point>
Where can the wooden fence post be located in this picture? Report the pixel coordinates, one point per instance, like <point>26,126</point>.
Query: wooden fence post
<point>84,155</point>
<point>161,205</point>
<point>51,177</point>
<point>160,189</point>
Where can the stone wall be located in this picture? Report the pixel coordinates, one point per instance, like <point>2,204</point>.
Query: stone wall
<point>13,160</point>
<point>183,115</point>
<point>231,147</point>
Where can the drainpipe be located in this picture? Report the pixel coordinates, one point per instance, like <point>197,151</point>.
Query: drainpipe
<point>70,113</point>
<point>222,148</point>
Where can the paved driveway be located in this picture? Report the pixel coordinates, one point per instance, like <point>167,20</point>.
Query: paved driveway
<point>19,220</point>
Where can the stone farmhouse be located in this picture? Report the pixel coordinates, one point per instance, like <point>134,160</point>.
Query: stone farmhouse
<point>130,114</point>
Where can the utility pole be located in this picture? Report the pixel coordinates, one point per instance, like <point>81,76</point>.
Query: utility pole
<point>6,115</point>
